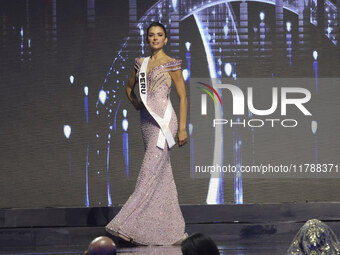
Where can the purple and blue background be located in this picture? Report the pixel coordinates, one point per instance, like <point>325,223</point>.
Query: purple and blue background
<point>69,135</point>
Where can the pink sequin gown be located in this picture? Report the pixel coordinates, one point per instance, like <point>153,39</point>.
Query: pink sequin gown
<point>152,215</point>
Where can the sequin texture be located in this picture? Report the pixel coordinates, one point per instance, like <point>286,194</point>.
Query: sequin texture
<point>152,215</point>
<point>315,238</point>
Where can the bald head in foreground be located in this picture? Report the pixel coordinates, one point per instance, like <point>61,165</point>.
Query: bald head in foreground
<point>102,245</point>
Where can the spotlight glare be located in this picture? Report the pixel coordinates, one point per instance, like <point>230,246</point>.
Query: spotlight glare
<point>315,55</point>
<point>228,69</point>
<point>67,131</point>
<point>262,16</point>
<point>86,90</point>
<point>102,96</point>
<point>71,79</point>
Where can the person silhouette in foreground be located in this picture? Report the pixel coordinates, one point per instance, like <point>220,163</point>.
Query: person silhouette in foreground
<point>101,245</point>
<point>199,244</point>
<point>315,238</point>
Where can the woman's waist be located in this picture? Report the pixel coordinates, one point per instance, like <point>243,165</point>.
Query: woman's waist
<point>158,109</point>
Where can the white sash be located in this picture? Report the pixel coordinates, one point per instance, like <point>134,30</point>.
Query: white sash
<point>164,132</point>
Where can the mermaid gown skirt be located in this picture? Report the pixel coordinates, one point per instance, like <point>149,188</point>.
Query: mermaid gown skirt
<point>152,215</point>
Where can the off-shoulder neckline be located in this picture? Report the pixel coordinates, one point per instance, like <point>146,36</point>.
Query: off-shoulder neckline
<point>176,60</point>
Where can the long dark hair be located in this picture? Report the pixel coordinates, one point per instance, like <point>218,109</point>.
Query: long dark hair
<point>199,244</point>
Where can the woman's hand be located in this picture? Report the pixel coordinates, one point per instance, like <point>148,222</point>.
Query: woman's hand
<point>182,137</point>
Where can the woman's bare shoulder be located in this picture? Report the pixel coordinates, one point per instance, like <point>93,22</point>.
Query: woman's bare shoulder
<point>172,59</point>
<point>140,60</point>
<point>166,60</point>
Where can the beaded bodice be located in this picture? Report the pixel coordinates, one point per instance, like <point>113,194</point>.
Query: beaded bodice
<point>158,83</point>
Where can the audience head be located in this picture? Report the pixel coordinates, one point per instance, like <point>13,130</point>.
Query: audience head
<point>314,238</point>
<point>199,244</point>
<point>101,246</point>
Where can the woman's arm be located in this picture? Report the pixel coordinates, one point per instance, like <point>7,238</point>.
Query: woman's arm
<point>177,77</point>
<point>131,94</point>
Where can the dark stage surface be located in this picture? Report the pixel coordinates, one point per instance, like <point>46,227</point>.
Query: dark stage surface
<point>235,248</point>
<point>237,229</point>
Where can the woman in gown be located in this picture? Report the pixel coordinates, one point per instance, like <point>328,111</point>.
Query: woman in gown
<point>151,215</point>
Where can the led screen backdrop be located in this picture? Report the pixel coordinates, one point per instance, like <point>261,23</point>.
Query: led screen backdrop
<point>70,137</point>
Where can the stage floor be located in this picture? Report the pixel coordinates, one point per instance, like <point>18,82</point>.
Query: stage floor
<point>237,229</point>
<point>242,247</point>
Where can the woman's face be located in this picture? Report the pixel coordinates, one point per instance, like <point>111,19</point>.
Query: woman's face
<point>156,37</point>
